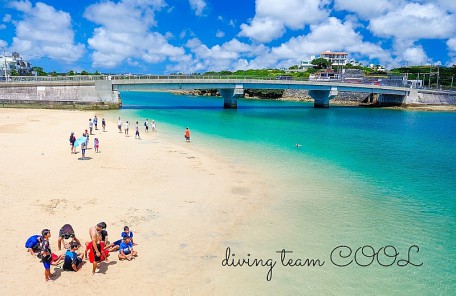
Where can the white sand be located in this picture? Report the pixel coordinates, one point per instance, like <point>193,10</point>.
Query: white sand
<point>181,204</point>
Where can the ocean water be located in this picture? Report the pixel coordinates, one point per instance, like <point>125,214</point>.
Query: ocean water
<point>380,179</point>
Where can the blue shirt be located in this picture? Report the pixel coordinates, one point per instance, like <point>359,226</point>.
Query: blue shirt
<point>123,233</point>
<point>70,259</point>
<point>33,242</point>
<point>126,248</point>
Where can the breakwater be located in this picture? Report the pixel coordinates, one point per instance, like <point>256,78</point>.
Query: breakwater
<point>60,95</point>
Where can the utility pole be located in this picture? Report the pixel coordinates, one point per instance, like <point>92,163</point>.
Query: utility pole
<point>452,76</point>
<point>429,77</point>
<point>4,57</point>
<point>438,77</point>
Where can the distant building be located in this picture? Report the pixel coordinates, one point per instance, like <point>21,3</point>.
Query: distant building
<point>378,68</point>
<point>304,65</point>
<point>337,58</point>
<point>8,64</point>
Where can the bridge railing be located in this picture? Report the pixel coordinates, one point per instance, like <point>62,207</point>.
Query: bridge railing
<point>119,77</point>
<point>138,77</point>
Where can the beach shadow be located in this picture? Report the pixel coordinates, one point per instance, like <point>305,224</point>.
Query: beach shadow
<point>85,158</point>
<point>103,267</point>
<point>57,273</point>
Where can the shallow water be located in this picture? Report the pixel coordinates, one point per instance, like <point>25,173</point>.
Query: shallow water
<point>362,177</point>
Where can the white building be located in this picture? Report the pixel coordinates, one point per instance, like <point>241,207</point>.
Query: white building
<point>337,58</point>
<point>8,64</point>
<point>307,64</point>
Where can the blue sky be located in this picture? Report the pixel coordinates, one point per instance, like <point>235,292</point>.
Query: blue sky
<point>195,36</point>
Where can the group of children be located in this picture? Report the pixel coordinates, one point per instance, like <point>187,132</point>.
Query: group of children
<point>72,258</point>
<point>84,142</point>
<point>127,127</point>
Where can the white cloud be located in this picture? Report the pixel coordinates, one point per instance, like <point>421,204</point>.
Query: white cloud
<point>415,21</point>
<point>272,17</point>
<point>263,29</point>
<point>7,18</point>
<point>415,56</point>
<point>220,34</point>
<point>332,35</point>
<point>45,31</point>
<point>451,44</point>
<point>368,8</point>
<point>230,55</point>
<point>2,27</point>
<point>114,42</point>
<point>198,6</point>
<point>449,5</point>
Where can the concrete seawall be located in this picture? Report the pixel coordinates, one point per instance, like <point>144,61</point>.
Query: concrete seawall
<point>60,95</point>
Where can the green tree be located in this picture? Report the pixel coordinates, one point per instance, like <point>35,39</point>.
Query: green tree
<point>14,72</point>
<point>71,73</point>
<point>39,71</point>
<point>321,63</point>
<point>83,72</point>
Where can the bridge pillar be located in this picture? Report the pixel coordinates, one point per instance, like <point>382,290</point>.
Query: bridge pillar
<point>322,97</point>
<point>231,95</point>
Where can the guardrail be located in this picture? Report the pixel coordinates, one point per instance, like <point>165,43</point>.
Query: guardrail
<point>86,78</point>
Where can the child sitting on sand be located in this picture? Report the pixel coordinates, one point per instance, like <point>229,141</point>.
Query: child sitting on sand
<point>126,249</point>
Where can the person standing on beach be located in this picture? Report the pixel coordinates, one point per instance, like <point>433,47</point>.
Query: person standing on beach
<point>46,254</point>
<point>72,140</point>
<point>96,144</point>
<point>86,134</point>
<point>146,124</point>
<point>137,131</point>
<point>187,135</point>
<point>103,124</point>
<point>90,125</point>
<point>95,122</point>
<point>96,247</point>
<point>119,125</point>
<point>127,125</point>
<point>154,128</point>
<point>83,149</point>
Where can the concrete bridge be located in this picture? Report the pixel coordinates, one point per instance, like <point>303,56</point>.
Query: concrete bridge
<point>104,89</point>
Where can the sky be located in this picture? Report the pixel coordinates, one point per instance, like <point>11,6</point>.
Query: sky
<point>196,36</point>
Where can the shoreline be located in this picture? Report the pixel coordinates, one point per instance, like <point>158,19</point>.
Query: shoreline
<point>174,198</point>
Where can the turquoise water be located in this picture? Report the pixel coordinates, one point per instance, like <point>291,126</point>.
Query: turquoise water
<point>361,177</point>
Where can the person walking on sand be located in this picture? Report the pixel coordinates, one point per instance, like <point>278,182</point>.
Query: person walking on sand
<point>95,122</point>
<point>187,135</point>
<point>90,125</point>
<point>72,140</point>
<point>127,126</point>
<point>103,124</point>
<point>119,125</point>
<point>146,124</point>
<point>137,131</point>
<point>95,247</point>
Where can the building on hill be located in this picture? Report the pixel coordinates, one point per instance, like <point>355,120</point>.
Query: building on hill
<point>12,63</point>
<point>307,64</point>
<point>337,58</point>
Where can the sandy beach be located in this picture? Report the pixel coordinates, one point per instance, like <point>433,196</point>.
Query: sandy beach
<point>182,205</point>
